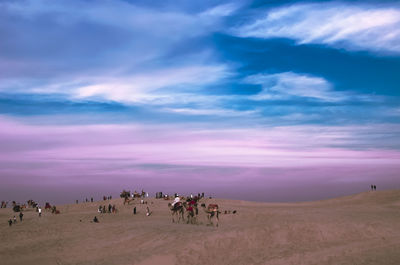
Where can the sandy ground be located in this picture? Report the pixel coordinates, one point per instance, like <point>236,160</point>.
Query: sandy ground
<point>358,229</point>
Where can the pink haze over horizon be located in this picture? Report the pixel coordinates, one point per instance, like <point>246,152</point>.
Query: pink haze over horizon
<point>264,164</point>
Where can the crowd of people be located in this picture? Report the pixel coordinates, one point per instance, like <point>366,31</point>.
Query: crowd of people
<point>109,209</point>
<point>102,209</point>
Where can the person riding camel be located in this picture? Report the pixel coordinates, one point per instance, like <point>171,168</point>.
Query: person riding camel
<point>177,202</point>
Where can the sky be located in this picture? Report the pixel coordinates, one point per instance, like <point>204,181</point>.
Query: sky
<point>256,100</point>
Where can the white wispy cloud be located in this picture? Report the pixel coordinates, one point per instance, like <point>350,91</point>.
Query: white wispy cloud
<point>281,85</point>
<point>212,112</point>
<point>141,87</point>
<point>349,26</point>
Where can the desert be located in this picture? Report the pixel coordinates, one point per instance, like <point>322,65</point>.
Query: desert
<point>362,228</point>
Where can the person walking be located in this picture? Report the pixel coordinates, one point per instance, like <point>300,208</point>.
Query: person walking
<point>20,216</point>
<point>15,219</point>
<point>40,212</point>
<point>10,222</point>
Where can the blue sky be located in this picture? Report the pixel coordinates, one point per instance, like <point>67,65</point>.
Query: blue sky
<point>247,58</point>
<point>303,68</point>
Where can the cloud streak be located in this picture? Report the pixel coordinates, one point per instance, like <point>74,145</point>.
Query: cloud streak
<point>353,27</point>
<point>293,84</point>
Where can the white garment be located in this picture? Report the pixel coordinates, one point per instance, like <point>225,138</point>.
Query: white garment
<point>176,200</point>
<point>40,210</point>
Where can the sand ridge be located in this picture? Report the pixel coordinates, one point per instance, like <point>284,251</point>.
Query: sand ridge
<point>357,229</point>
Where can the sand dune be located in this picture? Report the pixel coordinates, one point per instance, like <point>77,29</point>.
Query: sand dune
<point>358,229</point>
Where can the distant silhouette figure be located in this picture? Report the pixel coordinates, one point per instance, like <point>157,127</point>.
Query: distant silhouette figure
<point>10,222</point>
<point>134,210</point>
<point>20,216</point>
<point>95,219</point>
<point>374,187</point>
<point>91,199</point>
<point>148,213</point>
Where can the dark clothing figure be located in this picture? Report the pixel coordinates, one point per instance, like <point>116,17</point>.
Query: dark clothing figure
<point>148,211</point>
<point>76,201</point>
<point>134,210</point>
<point>202,194</point>
<point>10,222</point>
<point>104,209</point>
<point>20,216</point>
<point>109,208</point>
<point>374,187</point>
<point>95,219</point>
<point>91,199</point>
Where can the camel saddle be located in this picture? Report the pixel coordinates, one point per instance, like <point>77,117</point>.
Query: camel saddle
<point>177,205</point>
<point>213,207</point>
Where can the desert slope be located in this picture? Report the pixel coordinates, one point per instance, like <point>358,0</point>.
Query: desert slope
<point>358,229</point>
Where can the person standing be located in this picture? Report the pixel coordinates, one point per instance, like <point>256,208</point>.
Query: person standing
<point>134,210</point>
<point>148,211</point>
<point>91,199</point>
<point>374,187</point>
<point>20,216</point>
<point>15,219</point>
<point>40,212</point>
<point>10,222</point>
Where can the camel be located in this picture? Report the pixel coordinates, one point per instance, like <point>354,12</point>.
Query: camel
<point>190,213</point>
<point>128,201</point>
<point>211,211</point>
<point>137,195</point>
<point>177,210</point>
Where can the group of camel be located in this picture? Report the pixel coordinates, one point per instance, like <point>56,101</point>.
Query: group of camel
<point>190,207</point>
<point>178,210</point>
<point>128,197</point>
